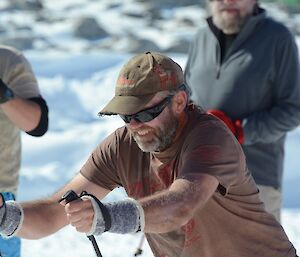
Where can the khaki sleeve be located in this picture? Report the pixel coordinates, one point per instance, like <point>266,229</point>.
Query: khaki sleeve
<point>17,73</point>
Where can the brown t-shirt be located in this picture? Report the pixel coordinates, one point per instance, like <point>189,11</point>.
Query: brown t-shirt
<point>233,222</point>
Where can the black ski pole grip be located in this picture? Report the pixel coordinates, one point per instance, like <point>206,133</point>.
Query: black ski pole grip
<point>70,196</point>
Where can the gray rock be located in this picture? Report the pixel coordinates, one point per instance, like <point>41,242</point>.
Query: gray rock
<point>88,28</point>
<point>153,15</point>
<point>19,42</point>
<point>144,45</point>
<point>130,44</point>
<point>131,14</point>
<point>28,5</point>
<point>113,5</point>
<point>170,3</point>
<point>34,5</point>
<point>180,46</point>
<point>3,29</point>
<point>186,22</point>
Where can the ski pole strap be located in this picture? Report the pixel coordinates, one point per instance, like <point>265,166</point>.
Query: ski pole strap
<point>105,213</point>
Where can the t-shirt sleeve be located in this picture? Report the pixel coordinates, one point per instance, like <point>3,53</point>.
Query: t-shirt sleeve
<point>212,149</point>
<point>17,74</point>
<point>101,166</point>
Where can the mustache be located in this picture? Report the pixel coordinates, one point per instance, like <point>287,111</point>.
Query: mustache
<point>139,128</point>
<point>228,7</point>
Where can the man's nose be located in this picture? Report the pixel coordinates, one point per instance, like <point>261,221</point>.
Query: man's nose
<point>135,123</point>
<point>229,1</point>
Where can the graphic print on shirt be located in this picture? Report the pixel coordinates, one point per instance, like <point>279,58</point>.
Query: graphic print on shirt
<point>156,181</point>
<point>192,236</point>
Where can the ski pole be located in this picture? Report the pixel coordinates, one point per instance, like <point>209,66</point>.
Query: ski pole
<point>70,196</point>
<point>139,250</point>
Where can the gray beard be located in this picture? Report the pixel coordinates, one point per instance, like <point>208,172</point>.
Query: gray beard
<point>162,141</point>
<point>230,27</point>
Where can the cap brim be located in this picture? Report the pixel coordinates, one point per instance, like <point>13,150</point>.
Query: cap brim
<point>126,105</point>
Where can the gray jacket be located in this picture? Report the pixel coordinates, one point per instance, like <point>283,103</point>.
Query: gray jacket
<point>258,82</point>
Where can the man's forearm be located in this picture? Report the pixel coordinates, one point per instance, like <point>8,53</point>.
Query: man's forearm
<point>175,206</point>
<point>23,113</point>
<point>42,218</point>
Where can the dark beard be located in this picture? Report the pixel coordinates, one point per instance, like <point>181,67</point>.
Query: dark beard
<point>235,27</point>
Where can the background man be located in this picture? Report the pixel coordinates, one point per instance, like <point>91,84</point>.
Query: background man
<point>244,68</point>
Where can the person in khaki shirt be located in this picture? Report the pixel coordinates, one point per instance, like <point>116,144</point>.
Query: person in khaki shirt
<point>185,173</point>
<point>22,108</point>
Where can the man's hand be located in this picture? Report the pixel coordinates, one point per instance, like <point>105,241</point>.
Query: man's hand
<point>80,214</point>
<point>1,201</point>
<point>6,93</point>
<point>235,126</point>
<point>2,208</point>
<point>91,216</point>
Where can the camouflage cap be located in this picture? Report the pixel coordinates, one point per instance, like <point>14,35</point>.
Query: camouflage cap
<point>140,79</point>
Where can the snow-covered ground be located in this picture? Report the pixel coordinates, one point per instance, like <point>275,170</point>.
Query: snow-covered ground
<point>76,84</point>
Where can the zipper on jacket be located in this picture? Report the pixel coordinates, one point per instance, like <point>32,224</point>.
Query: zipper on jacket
<point>218,72</point>
<point>219,64</point>
<point>216,33</point>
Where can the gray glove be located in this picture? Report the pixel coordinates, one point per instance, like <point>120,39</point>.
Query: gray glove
<point>6,93</point>
<point>120,217</point>
<point>11,218</point>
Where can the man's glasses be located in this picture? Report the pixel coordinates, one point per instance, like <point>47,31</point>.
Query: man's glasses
<point>148,114</point>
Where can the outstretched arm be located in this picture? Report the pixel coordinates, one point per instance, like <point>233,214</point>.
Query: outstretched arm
<point>44,217</point>
<point>24,113</point>
<point>174,207</point>
<point>159,213</point>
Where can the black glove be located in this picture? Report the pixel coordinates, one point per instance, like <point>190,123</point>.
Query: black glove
<point>6,93</point>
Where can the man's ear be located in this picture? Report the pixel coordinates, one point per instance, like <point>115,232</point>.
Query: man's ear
<point>180,101</point>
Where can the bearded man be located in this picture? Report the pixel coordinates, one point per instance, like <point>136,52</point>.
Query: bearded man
<point>243,67</point>
<point>185,173</point>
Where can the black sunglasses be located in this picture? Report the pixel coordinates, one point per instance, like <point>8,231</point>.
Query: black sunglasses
<point>149,113</point>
